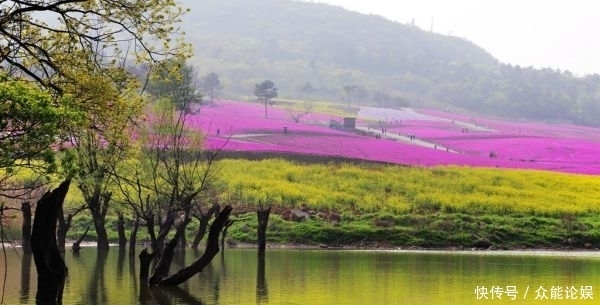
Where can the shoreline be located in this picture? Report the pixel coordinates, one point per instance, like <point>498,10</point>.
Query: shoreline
<point>399,249</point>
<point>416,249</point>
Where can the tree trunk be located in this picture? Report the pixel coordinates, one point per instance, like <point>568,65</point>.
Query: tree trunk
<point>51,268</point>
<point>166,257</point>
<point>212,248</point>
<point>263,221</point>
<point>121,231</point>
<point>98,201</point>
<point>150,227</point>
<point>163,231</point>
<point>145,260</point>
<point>266,102</point>
<point>100,227</point>
<point>201,232</point>
<point>77,244</point>
<point>63,227</point>
<point>224,234</point>
<point>203,219</point>
<point>26,227</point>
<point>61,231</point>
<point>133,236</point>
<point>181,240</point>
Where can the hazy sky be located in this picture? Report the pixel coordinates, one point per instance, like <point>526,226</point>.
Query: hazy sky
<point>560,34</point>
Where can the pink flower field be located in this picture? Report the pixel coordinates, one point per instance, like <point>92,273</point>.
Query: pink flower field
<point>409,137</point>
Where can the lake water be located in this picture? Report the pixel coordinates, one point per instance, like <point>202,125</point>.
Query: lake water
<point>325,277</point>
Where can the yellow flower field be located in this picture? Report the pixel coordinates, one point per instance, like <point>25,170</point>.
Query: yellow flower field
<point>400,189</point>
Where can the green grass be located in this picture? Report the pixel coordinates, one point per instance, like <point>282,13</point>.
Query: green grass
<point>440,230</point>
<point>437,230</point>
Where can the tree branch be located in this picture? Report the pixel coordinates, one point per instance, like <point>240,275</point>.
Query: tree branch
<point>212,248</point>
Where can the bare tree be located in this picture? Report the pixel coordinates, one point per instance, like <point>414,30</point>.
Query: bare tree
<point>64,224</point>
<point>212,248</point>
<point>306,90</point>
<point>262,213</point>
<point>203,220</point>
<point>51,268</point>
<point>21,196</point>
<point>297,113</point>
<point>162,185</point>
<point>350,90</point>
<point>171,178</point>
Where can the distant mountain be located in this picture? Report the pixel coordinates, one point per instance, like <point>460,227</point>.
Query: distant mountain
<point>385,63</point>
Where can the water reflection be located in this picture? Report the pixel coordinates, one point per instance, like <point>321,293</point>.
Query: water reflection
<point>167,296</point>
<point>214,277</point>
<point>135,281</point>
<point>179,258</point>
<point>262,293</point>
<point>25,278</point>
<point>97,293</point>
<point>309,277</point>
<point>120,263</point>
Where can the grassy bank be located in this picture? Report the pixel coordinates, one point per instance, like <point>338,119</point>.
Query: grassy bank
<point>437,230</point>
<point>440,230</point>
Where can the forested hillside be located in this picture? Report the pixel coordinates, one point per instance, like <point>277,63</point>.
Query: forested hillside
<point>378,61</point>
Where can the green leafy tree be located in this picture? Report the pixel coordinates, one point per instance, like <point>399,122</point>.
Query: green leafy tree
<point>78,49</point>
<point>211,83</point>
<point>40,37</point>
<point>174,80</point>
<point>31,121</point>
<point>264,92</point>
<point>113,109</point>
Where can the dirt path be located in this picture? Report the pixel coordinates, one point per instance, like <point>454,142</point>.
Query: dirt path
<point>405,139</point>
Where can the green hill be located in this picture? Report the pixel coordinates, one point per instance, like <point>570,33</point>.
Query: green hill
<point>391,64</point>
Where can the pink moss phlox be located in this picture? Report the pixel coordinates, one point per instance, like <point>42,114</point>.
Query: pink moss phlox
<point>478,142</point>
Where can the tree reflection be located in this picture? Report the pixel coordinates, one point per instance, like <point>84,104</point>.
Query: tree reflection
<point>120,263</point>
<point>132,273</point>
<point>25,277</point>
<point>166,296</point>
<point>179,258</point>
<point>262,292</point>
<point>170,295</point>
<point>211,276</point>
<point>97,286</point>
<point>217,280</point>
